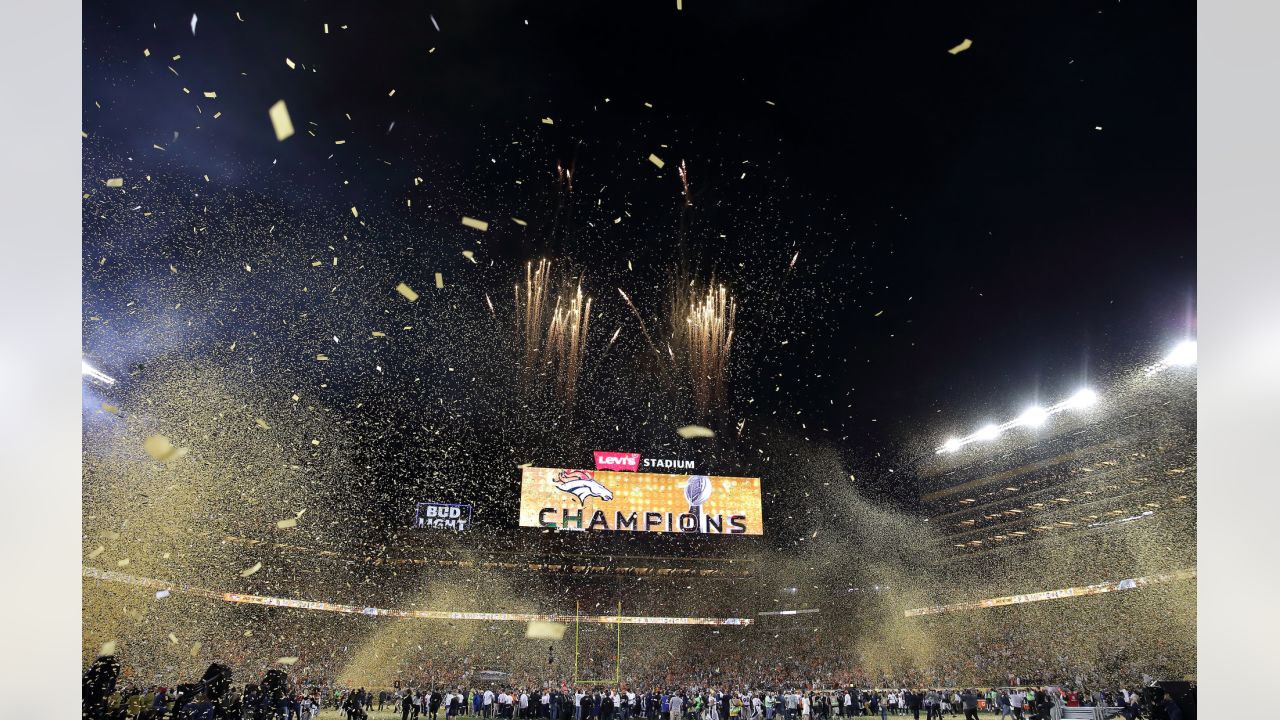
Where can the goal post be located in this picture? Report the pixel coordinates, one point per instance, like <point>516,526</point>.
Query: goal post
<point>577,645</point>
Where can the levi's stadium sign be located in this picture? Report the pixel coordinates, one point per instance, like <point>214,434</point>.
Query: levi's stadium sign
<point>635,501</point>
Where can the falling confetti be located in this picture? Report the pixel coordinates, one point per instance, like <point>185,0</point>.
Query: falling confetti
<point>280,121</point>
<point>965,45</point>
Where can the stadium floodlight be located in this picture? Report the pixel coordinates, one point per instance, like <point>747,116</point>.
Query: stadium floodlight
<point>1033,417</point>
<point>988,432</point>
<point>95,374</point>
<point>1083,398</point>
<point>1183,354</point>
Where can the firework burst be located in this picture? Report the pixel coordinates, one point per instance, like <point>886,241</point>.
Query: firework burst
<point>553,333</point>
<point>702,323</point>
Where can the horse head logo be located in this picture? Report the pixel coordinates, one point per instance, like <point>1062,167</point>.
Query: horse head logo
<point>582,484</point>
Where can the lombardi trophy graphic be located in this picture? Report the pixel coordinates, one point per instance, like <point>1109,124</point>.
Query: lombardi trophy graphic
<point>697,491</point>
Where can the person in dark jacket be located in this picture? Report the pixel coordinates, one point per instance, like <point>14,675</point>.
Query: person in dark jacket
<point>406,705</point>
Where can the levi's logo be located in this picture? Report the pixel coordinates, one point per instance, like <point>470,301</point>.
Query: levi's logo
<point>617,460</point>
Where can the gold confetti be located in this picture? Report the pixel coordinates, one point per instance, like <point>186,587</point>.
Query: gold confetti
<point>108,648</point>
<point>238,16</point>
<point>468,254</point>
<point>113,409</point>
<point>251,570</point>
<point>173,638</point>
<point>480,225</point>
<point>548,121</point>
<point>393,92</point>
<point>407,292</point>
<point>290,63</point>
<point>280,121</point>
<point>339,142</point>
<point>286,524</point>
<point>354,211</point>
<point>326,28</point>
<point>161,450</point>
<point>261,423</point>
<point>439,280</point>
<point>376,333</point>
<point>519,222</point>
<point>96,552</point>
<point>961,47</point>
<point>122,563</point>
<point>287,660</point>
<point>322,357</point>
<point>195,650</point>
<point>656,160</point>
<point>541,630</point>
<point>146,52</point>
<point>115,182</point>
<point>210,94</point>
<point>695,431</point>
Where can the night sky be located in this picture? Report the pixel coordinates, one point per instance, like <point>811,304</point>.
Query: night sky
<point>973,231</point>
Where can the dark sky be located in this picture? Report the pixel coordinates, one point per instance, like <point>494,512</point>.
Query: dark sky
<point>1021,214</point>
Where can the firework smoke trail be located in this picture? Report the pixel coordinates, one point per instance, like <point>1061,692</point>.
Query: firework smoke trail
<point>643,329</point>
<point>703,328</point>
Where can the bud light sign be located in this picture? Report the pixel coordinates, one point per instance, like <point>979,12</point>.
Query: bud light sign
<point>442,516</point>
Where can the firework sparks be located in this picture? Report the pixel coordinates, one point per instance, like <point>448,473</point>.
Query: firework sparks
<point>554,335</point>
<point>684,183</point>
<point>703,328</point>
<point>643,329</point>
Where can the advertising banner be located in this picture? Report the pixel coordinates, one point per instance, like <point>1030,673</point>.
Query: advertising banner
<point>443,516</point>
<point>631,501</point>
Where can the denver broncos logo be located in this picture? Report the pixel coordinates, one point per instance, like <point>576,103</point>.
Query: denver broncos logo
<point>582,484</point>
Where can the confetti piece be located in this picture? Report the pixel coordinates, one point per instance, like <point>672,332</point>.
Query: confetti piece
<point>195,650</point>
<point>173,638</point>
<point>194,19</point>
<point>161,450</point>
<point>280,121</point>
<point>238,16</point>
<point>210,94</point>
<point>961,47</point>
<point>286,660</point>
<point>879,313</point>
<point>122,563</point>
<point>439,280</point>
<point>375,333</point>
<point>114,410</point>
<point>519,222</point>
<point>469,255</point>
<point>326,28</point>
<point>354,211</point>
<point>541,630</point>
<point>162,594</point>
<point>261,423</point>
<point>115,182</point>
<point>392,93</point>
<point>146,52</point>
<point>679,4</point>
<point>548,121</point>
<point>480,225</point>
<point>407,292</point>
<point>108,648</point>
<point>96,552</point>
<point>322,358</point>
<point>290,63</point>
<point>695,431</point>
<point>656,160</point>
<point>251,570</point>
<point>435,24</point>
<point>286,524</point>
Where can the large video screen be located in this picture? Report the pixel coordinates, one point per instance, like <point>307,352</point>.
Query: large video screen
<point>596,500</point>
